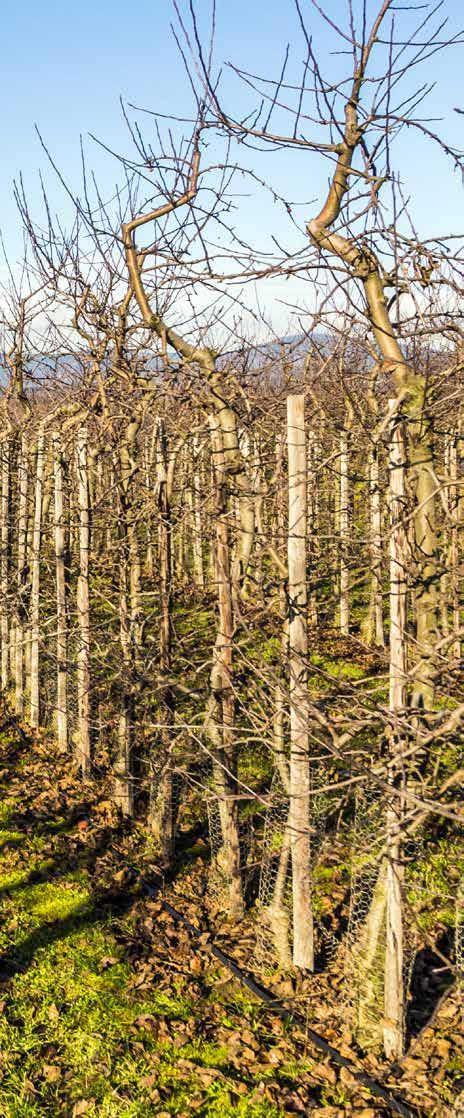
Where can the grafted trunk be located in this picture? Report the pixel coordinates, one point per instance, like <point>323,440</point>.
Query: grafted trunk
<point>34,710</point>
<point>383,931</point>
<point>370,964</point>
<point>299,810</point>
<point>61,612</point>
<point>83,608</point>
<point>394,994</point>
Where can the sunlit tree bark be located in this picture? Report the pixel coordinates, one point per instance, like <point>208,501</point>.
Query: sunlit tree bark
<point>299,813</point>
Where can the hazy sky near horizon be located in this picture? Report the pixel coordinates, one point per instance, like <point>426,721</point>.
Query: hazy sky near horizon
<point>65,67</point>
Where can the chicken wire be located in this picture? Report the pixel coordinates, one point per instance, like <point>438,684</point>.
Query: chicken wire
<point>365,941</point>
<point>273,928</point>
<point>218,876</point>
<point>158,767</point>
<point>274,936</point>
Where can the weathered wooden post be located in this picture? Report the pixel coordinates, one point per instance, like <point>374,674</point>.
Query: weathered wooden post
<point>34,715</point>
<point>61,619</point>
<point>83,607</point>
<point>299,810</point>
<point>4,565</point>
<point>21,574</point>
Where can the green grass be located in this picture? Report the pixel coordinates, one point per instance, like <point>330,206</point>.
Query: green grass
<point>337,667</point>
<point>74,1033</point>
<point>433,883</point>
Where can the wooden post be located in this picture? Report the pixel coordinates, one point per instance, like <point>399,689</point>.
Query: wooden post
<point>455,503</point>
<point>376,530</point>
<point>34,715</point>
<point>312,525</point>
<point>344,536</point>
<point>4,564</point>
<point>149,550</point>
<point>61,620</point>
<point>83,609</point>
<point>394,947</point>
<point>299,810</point>
<point>21,575</point>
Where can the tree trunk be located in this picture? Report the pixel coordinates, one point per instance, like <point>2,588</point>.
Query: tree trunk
<point>426,551</point>
<point>220,716</point>
<point>394,943</point>
<point>162,813</point>
<point>123,762</point>
<point>198,572</point>
<point>299,811</point>
<point>149,550</point>
<point>369,965</point>
<point>129,600</point>
<point>277,915</point>
<point>383,930</point>
<point>372,628</point>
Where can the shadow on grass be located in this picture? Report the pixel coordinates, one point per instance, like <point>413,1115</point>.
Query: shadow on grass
<point>14,742</point>
<point>19,959</point>
<point>65,863</point>
<point>74,855</point>
<point>430,980</point>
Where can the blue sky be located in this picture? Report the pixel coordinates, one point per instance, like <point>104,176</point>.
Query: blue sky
<point>64,67</point>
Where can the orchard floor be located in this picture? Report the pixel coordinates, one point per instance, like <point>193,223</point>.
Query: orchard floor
<point>109,1010</point>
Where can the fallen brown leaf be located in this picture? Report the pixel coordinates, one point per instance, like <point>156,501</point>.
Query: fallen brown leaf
<point>51,1072</point>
